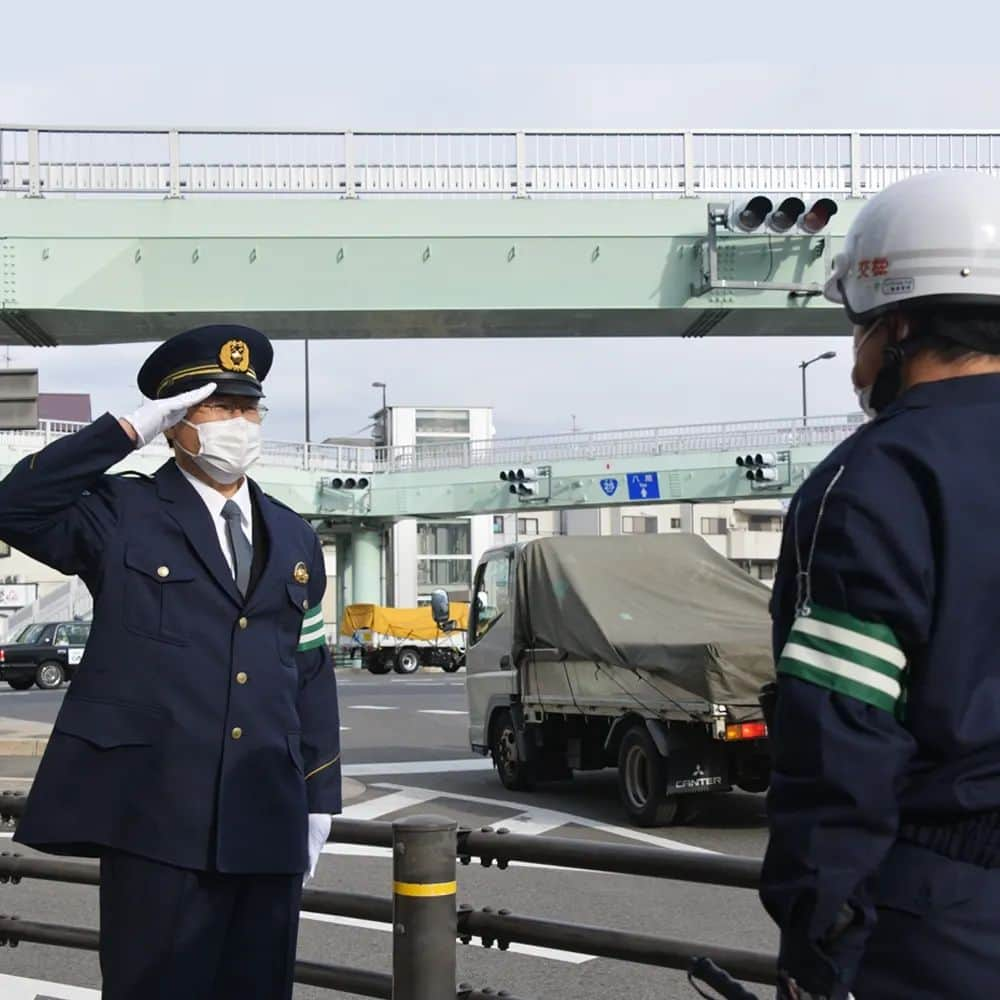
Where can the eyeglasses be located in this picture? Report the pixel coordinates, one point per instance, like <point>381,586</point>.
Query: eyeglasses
<point>218,409</point>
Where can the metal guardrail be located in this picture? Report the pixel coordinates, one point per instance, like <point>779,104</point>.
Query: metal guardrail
<point>732,436</point>
<point>426,923</point>
<point>174,162</point>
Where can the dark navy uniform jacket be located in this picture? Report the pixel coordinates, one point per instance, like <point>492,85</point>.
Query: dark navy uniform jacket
<point>201,728</point>
<point>886,615</point>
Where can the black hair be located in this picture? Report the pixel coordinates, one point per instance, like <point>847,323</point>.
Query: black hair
<point>955,333</point>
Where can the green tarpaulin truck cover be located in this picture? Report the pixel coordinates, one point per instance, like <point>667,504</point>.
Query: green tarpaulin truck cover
<point>666,605</point>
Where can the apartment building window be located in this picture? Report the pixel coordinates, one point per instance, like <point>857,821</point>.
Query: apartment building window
<point>498,527</point>
<point>765,522</point>
<point>527,525</point>
<point>639,525</point>
<point>714,526</point>
<point>434,422</point>
<point>452,574</point>
<point>444,538</point>
<point>675,524</point>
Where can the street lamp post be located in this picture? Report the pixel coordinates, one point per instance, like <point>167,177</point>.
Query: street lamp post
<point>382,413</point>
<point>825,356</point>
<point>380,385</point>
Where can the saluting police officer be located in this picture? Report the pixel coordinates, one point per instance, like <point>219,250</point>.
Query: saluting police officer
<point>197,751</point>
<point>883,868</point>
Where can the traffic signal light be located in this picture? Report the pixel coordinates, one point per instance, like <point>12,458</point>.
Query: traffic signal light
<point>760,467</point>
<point>521,482</point>
<point>759,212</point>
<point>350,483</point>
<point>748,216</point>
<point>818,216</point>
<point>785,215</point>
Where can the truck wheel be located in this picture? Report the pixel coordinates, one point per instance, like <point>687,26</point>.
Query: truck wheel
<point>379,665</point>
<point>408,661</point>
<point>451,664</point>
<point>21,683</point>
<point>515,775</point>
<point>642,780</point>
<point>49,675</point>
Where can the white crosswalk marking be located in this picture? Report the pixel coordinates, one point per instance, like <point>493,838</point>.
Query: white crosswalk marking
<point>385,804</point>
<point>419,767</point>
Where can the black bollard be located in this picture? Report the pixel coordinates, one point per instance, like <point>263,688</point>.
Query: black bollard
<point>423,908</point>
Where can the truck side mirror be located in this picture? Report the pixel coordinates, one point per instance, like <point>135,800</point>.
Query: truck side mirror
<point>441,609</point>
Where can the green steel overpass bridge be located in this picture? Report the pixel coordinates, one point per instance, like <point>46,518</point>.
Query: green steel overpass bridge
<point>353,494</point>
<point>131,234</point>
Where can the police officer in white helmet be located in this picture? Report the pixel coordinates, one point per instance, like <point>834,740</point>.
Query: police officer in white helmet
<point>883,867</point>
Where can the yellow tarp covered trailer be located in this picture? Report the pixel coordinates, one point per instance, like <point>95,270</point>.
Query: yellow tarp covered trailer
<point>403,639</point>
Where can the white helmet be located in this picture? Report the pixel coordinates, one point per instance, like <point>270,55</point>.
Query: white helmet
<point>933,239</point>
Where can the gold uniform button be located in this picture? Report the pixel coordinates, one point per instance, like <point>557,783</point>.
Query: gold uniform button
<point>243,623</point>
<point>241,678</point>
<point>163,572</point>
<point>237,733</point>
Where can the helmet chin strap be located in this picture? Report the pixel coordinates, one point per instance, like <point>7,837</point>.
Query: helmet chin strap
<point>889,381</point>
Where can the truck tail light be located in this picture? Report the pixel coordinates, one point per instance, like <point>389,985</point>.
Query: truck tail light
<point>3,656</point>
<point>746,731</point>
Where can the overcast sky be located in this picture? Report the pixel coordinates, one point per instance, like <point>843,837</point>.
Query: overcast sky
<point>437,65</point>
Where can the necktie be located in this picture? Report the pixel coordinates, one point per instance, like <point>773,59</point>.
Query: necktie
<point>239,545</point>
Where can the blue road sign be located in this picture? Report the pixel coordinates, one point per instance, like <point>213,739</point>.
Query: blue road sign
<point>610,486</point>
<point>643,486</point>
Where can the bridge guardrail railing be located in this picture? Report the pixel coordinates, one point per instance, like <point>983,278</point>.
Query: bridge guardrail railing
<point>426,924</point>
<point>39,160</point>
<point>501,452</point>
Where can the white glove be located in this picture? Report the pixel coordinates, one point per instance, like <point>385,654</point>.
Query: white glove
<point>319,830</point>
<point>157,415</point>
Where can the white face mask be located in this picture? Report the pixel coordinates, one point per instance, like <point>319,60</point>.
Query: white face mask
<point>865,401</point>
<point>228,448</point>
<point>865,394</point>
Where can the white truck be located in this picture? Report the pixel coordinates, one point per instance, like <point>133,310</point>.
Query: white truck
<point>645,653</point>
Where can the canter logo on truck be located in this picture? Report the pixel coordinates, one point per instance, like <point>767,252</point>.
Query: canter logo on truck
<point>699,779</point>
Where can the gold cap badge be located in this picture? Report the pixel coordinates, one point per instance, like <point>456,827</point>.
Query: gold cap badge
<point>235,356</point>
<point>300,573</point>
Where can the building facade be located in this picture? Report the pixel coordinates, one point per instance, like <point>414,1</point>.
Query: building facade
<point>422,556</point>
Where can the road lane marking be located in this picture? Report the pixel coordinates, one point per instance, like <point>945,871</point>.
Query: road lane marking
<point>442,711</point>
<point>16,988</point>
<point>593,824</point>
<point>552,954</point>
<point>373,808</point>
<point>419,767</point>
<point>375,708</point>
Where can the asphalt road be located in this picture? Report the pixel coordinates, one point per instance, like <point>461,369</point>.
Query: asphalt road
<point>406,739</point>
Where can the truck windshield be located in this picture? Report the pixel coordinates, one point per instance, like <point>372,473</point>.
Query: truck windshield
<point>492,594</point>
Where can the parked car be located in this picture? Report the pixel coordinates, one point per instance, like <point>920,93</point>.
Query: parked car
<point>45,654</point>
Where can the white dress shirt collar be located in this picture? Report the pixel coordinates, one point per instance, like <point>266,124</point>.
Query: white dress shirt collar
<point>215,501</point>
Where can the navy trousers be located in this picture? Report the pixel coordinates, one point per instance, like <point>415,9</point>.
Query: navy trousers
<point>938,930</point>
<point>168,933</point>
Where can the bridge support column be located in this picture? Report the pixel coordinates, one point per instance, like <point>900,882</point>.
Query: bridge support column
<point>366,562</point>
<point>345,576</point>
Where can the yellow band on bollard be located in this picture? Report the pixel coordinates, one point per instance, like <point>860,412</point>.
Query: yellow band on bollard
<point>425,889</point>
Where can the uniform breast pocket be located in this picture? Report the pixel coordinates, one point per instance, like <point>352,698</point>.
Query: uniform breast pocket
<point>290,619</point>
<point>157,601</point>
